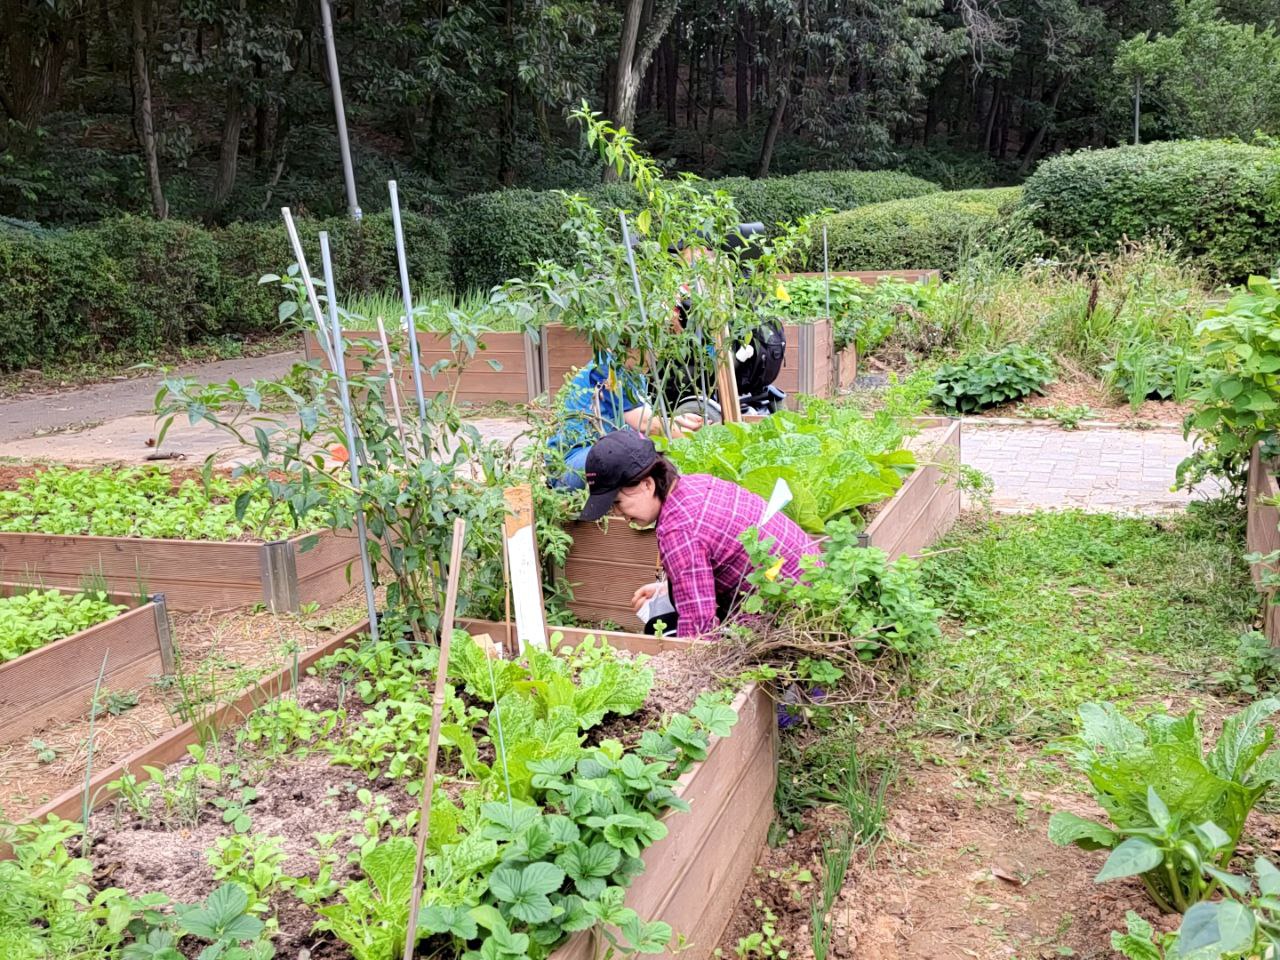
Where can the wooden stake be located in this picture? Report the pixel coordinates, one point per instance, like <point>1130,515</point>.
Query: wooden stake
<point>522,555</point>
<point>433,742</point>
<point>391,375</point>
<point>726,381</point>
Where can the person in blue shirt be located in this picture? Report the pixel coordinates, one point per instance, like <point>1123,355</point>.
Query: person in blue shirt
<point>604,396</point>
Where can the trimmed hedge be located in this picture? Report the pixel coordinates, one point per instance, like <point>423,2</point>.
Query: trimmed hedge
<point>1219,200</point>
<point>924,232</point>
<point>132,285</point>
<point>495,235</point>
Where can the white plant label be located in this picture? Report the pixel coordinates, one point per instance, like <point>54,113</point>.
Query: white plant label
<point>526,589</point>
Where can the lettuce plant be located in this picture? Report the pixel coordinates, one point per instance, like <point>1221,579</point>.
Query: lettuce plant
<point>1176,811</point>
<point>31,620</point>
<point>834,459</point>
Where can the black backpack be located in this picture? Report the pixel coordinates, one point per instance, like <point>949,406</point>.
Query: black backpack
<point>769,350</point>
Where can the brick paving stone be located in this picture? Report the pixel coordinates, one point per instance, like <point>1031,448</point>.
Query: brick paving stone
<point>1121,471</point>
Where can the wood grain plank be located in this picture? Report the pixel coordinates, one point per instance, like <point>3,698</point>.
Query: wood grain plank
<point>55,682</point>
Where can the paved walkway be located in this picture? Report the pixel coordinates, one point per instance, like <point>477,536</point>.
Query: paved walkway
<point>1097,469</point>
<point>103,402</point>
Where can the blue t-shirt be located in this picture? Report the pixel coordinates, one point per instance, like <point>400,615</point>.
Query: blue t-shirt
<point>597,397</point>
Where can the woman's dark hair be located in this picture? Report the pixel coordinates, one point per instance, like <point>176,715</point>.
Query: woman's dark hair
<point>664,475</point>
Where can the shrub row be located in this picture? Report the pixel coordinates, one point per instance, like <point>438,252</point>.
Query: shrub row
<point>133,285</point>
<point>928,231</point>
<point>495,234</point>
<point>1219,200</point>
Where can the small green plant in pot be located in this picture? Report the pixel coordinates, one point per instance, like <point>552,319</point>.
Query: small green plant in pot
<point>979,381</point>
<point>1176,811</point>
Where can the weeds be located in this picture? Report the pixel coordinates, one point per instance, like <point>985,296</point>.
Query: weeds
<point>1051,610</point>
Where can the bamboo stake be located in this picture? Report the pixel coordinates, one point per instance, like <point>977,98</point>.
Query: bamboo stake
<point>391,377</point>
<point>658,385</point>
<point>433,742</point>
<point>353,442</point>
<point>307,282</point>
<point>403,259</point>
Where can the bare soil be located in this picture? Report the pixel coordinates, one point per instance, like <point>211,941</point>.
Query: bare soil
<point>1084,392</point>
<point>226,651</point>
<point>966,871</point>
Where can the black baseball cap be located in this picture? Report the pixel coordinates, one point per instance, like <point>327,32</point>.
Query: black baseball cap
<point>617,460</point>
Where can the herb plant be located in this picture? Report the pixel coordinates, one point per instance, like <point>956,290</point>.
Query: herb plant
<point>979,381</point>
<point>863,605</point>
<point>1176,812</point>
<point>31,620</point>
<point>834,459</point>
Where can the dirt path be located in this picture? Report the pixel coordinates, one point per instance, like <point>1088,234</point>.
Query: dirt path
<point>46,413</point>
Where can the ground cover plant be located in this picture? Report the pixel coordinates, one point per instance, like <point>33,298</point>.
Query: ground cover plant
<point>834,459</point>
<point>133,502</point>
<point>537,823</point>
<point>979,381</point>
<point>31,619</point>
<point>1117,602</point>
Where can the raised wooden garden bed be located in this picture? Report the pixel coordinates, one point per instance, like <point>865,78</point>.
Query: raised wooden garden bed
<point>607,563</point>
<point>1263,534</point>
<point>56,682</point>
<point>192,574</point>
<point>927,504</point>
<point>518,378</point>
<point>692,878</point>
<point>810,366</point>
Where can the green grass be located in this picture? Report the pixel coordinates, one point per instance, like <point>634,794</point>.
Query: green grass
<point>1051,610</point>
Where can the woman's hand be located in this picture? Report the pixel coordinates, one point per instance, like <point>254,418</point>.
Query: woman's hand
<point>645,594</point>
<point>686,423</point>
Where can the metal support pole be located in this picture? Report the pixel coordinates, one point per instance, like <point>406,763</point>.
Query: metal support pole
<point>408,305</point>
<point>344,397</point>
<point>1137,107</point>
<point>318,315</point>
<point>826,269</point>
<point>340,113</point>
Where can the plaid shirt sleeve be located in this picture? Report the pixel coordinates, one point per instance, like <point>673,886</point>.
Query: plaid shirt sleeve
<point>693,585</point>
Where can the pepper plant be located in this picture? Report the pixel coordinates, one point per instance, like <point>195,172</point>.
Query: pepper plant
<point>416,475</point>
<point>686,245</point>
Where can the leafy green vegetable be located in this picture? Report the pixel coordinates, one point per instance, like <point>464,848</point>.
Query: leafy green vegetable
<point>833,458</point>
<point>980,381</point>
<point>30,620</point>
<point>1176,811</point>
<point>860,312</point>
<point>129,502</point>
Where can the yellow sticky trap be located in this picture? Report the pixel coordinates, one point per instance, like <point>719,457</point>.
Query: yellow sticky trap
<point>772,573</point>
<point>781,294</point>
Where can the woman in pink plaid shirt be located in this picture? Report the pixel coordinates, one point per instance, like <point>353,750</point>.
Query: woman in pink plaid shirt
<point>699,522</point>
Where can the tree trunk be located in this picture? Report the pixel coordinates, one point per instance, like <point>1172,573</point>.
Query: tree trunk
<point>146,120</point>
<point>229,155</point>
<point>35,63</point>
<point>1033,148</point>
<point>771,134</point>
<point>671,79</point>
<point>644,23</point>
<point>742,67</point>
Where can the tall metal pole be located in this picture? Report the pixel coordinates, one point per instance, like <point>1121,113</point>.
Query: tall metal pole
<point>296,242</point>
<point>353,443</point>
<point>408,304</point>
<point>826,270</point>
<point>335,84</point>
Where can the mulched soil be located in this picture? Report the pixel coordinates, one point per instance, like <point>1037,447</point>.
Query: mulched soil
<point>1083,392</point>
